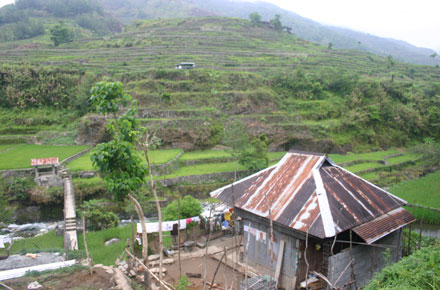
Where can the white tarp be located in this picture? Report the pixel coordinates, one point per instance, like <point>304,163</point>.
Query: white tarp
<point>15,273</point>
<point>166,226</point>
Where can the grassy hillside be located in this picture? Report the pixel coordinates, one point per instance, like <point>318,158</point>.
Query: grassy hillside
<point>130,10</point>
<point>297,93</point>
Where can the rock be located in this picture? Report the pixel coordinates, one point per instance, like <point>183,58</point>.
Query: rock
<point>98,266</point>
<point>140,278</point>
<point>121,280</point>
<point>153,257</point>
<point>87,175</point>
<point>188,246</point>
<point>156,270</point>
<point>33,256</point>
<point>202,243</point>
<point>112,241</point>
<point>164,262</point>
<point>131,273</point>
<point>34,285</point>
<point>165,252</point>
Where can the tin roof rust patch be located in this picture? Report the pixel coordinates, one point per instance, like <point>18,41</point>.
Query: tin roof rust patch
<point>307,187</point>
<point>383,225</point>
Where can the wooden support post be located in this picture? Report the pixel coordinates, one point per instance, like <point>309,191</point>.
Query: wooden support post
<point>85,243</point>
<point>132,234</point>
<point>279,262</point>
<point>178,236</point>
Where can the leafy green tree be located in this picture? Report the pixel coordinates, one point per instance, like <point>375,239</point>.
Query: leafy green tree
<point>276,22</point>
<point>189,207</point>
<point>254,157</point>
<point>430,151</point>
<point>330,45</point>
<point>255,18</point>
<point>60,34</point>
<point>122,169</point>
<point>433,55</point>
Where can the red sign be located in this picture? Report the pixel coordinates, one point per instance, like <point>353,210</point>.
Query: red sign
<point>44,161</point>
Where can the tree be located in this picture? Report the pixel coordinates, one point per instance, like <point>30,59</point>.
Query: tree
<point>60,34</point>
<point>433,55</point>
<point>121,168</point>
<point>254,157</point>
<point>276,22</point>
<point>255,18</point>
<point>430,151</point>
<point>330,45</point>
<point>390,65</point>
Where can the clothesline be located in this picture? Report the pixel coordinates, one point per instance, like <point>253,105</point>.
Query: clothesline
<point>168,225</point>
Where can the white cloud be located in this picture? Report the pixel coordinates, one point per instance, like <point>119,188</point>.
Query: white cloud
<point>5,2</point>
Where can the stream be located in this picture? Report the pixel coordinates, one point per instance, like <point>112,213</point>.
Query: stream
<point>427,229</point>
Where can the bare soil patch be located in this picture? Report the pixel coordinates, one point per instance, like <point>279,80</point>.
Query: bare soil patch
<point>71,278</point>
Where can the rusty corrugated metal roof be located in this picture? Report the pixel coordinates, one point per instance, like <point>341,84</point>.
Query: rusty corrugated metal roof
<point>308,192</point>
<point>379,227</point>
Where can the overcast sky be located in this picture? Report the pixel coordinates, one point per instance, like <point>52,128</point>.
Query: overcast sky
<point>415,21</point>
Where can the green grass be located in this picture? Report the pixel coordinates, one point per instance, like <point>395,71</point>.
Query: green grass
<point>378,155</point>
<point>363,166</point>
<point>275,155</point>
<point>423,191</point>
<point>20,156</point>
<point>370,175</point>
<point>95,241</point>
<point>156,157</point>
<point>206,168</point>
<point>205,154</point>
<point>403,158</point>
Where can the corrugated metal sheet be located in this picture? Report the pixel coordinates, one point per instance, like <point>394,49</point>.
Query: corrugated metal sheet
<point>383,225</point>
<point>308,192</point>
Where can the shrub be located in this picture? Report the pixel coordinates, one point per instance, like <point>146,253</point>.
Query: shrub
<point>98,216</point>
<point>183,283</point>
<point>189,207</point>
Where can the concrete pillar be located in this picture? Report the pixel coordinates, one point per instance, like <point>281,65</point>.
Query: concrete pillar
<point>70,237</point>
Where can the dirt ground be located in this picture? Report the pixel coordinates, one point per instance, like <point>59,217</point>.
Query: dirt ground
<point>197,266</point>
<point>79,278</point>
<point>71,278</point>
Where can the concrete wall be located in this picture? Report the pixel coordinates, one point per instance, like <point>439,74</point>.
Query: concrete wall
<point>367,260</point>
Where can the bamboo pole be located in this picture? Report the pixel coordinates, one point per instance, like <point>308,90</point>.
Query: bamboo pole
<point>85,243</point>
<point>132,234</point>
<point>6,286</point>
<point>159,212</point>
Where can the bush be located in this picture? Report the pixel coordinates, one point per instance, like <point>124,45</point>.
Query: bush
<point>421,270</point>
<point>98,216</point>
<point>189,207</point>
<point>183,283</point>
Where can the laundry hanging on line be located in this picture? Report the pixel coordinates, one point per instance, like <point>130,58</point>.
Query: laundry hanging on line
<point>167,226</point>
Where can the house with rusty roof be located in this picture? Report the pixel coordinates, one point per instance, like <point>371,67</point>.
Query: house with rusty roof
<point>327,222</point>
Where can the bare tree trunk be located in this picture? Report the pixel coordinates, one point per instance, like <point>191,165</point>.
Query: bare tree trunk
<point>144,227</point>
<point>85,243</point>
<point>159,213</point>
